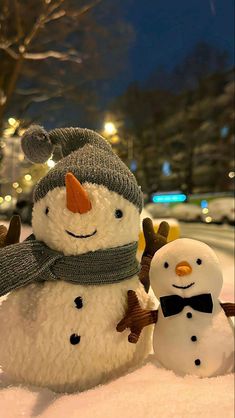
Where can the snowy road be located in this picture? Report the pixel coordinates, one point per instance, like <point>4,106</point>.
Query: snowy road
<point>221,239</point>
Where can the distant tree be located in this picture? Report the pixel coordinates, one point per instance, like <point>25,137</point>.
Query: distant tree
<point>53,51</point>
<point>192,141</point>
<point>201,62</point>
<point>183,132</point>
<point>160,78</point>
<point>137,110</point>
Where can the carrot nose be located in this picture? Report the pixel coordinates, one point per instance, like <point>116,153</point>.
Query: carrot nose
<point>77,197</point>
<point>183,268</point>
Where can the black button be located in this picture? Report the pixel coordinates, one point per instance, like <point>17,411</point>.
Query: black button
<point>194,338</point>
<point>78,302</point>
<point>197,362</point>
<point>75,339</point>
<point>189,315</point>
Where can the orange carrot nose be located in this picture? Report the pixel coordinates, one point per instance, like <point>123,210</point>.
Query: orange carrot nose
<point>183,268</point>
<point>77,197</point>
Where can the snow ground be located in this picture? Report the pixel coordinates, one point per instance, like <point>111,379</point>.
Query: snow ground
<point>148,392</point>
<point>227,293</point>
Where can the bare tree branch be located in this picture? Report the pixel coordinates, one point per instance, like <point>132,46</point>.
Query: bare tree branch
<point>56,16</point>
<point>5,43</point>
<point>62,56</point>
<point>18,20</point>
<point>84,9</point>
<point>10,52</point>
<point>33,49</point>
<point>11,85</point>
<point>41,21</point>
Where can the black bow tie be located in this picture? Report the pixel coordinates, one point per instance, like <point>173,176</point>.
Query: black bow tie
<point>172,305</point>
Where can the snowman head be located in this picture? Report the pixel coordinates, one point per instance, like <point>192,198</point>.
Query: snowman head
<point>90,200</point>
<point>186,267</point>
<point>79,218</point>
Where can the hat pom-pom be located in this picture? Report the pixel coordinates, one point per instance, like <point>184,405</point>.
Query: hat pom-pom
<point>36,144</point>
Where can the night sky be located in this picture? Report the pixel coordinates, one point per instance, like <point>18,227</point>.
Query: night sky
<point>166,30</point>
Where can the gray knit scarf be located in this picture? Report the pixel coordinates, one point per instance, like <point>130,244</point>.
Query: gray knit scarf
<point>32,261</point>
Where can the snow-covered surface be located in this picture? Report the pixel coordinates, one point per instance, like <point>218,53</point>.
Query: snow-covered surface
<point>148,392</point>
<point>227,293</point>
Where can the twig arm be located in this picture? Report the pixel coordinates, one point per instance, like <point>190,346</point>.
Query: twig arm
<point>229,308</point>
<point>12,234</point>
<point>136,318</point>
<point>154,241</point>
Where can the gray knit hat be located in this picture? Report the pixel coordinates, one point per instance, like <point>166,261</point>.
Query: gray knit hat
<point>84,153</point>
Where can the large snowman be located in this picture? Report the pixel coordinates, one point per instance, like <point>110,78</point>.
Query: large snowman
<point>193,334</point>
<point>69,281</point>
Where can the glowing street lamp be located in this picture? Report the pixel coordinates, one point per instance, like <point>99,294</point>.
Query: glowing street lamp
<point>28,177</point>
<point>110,128</point>
<point>12,121</point>
<point>8,198</point>
<point>50,163</point>
<point>13,124</point>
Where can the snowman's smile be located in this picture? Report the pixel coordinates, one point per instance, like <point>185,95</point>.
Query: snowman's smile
<point>183,287</point>
<point>81,236</point>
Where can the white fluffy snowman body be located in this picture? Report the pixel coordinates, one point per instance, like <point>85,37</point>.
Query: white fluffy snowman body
<point>63,335</point>
<point>191,341</point>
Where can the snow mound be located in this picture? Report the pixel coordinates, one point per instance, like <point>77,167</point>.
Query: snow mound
<point>148,392</point>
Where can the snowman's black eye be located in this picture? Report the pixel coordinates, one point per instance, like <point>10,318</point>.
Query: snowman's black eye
<point>166,265</point>
<point>199,261</point>
<point>47,210</point>
<point>118,213</point>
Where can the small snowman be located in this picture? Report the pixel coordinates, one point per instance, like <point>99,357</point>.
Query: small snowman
<point>193,334</point>
<point>68,282</point>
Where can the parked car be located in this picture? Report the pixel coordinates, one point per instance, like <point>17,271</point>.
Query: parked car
<point>221,210</point>
<point>187,212</point>
<point>158,210</point>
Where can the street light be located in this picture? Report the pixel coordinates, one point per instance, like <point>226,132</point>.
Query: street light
<point>12,121</point>
<point>28,177</point>
<point>50,163</point>
<point>110,128</point>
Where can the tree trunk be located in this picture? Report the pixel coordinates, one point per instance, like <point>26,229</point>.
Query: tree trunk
<point>10,89</point>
